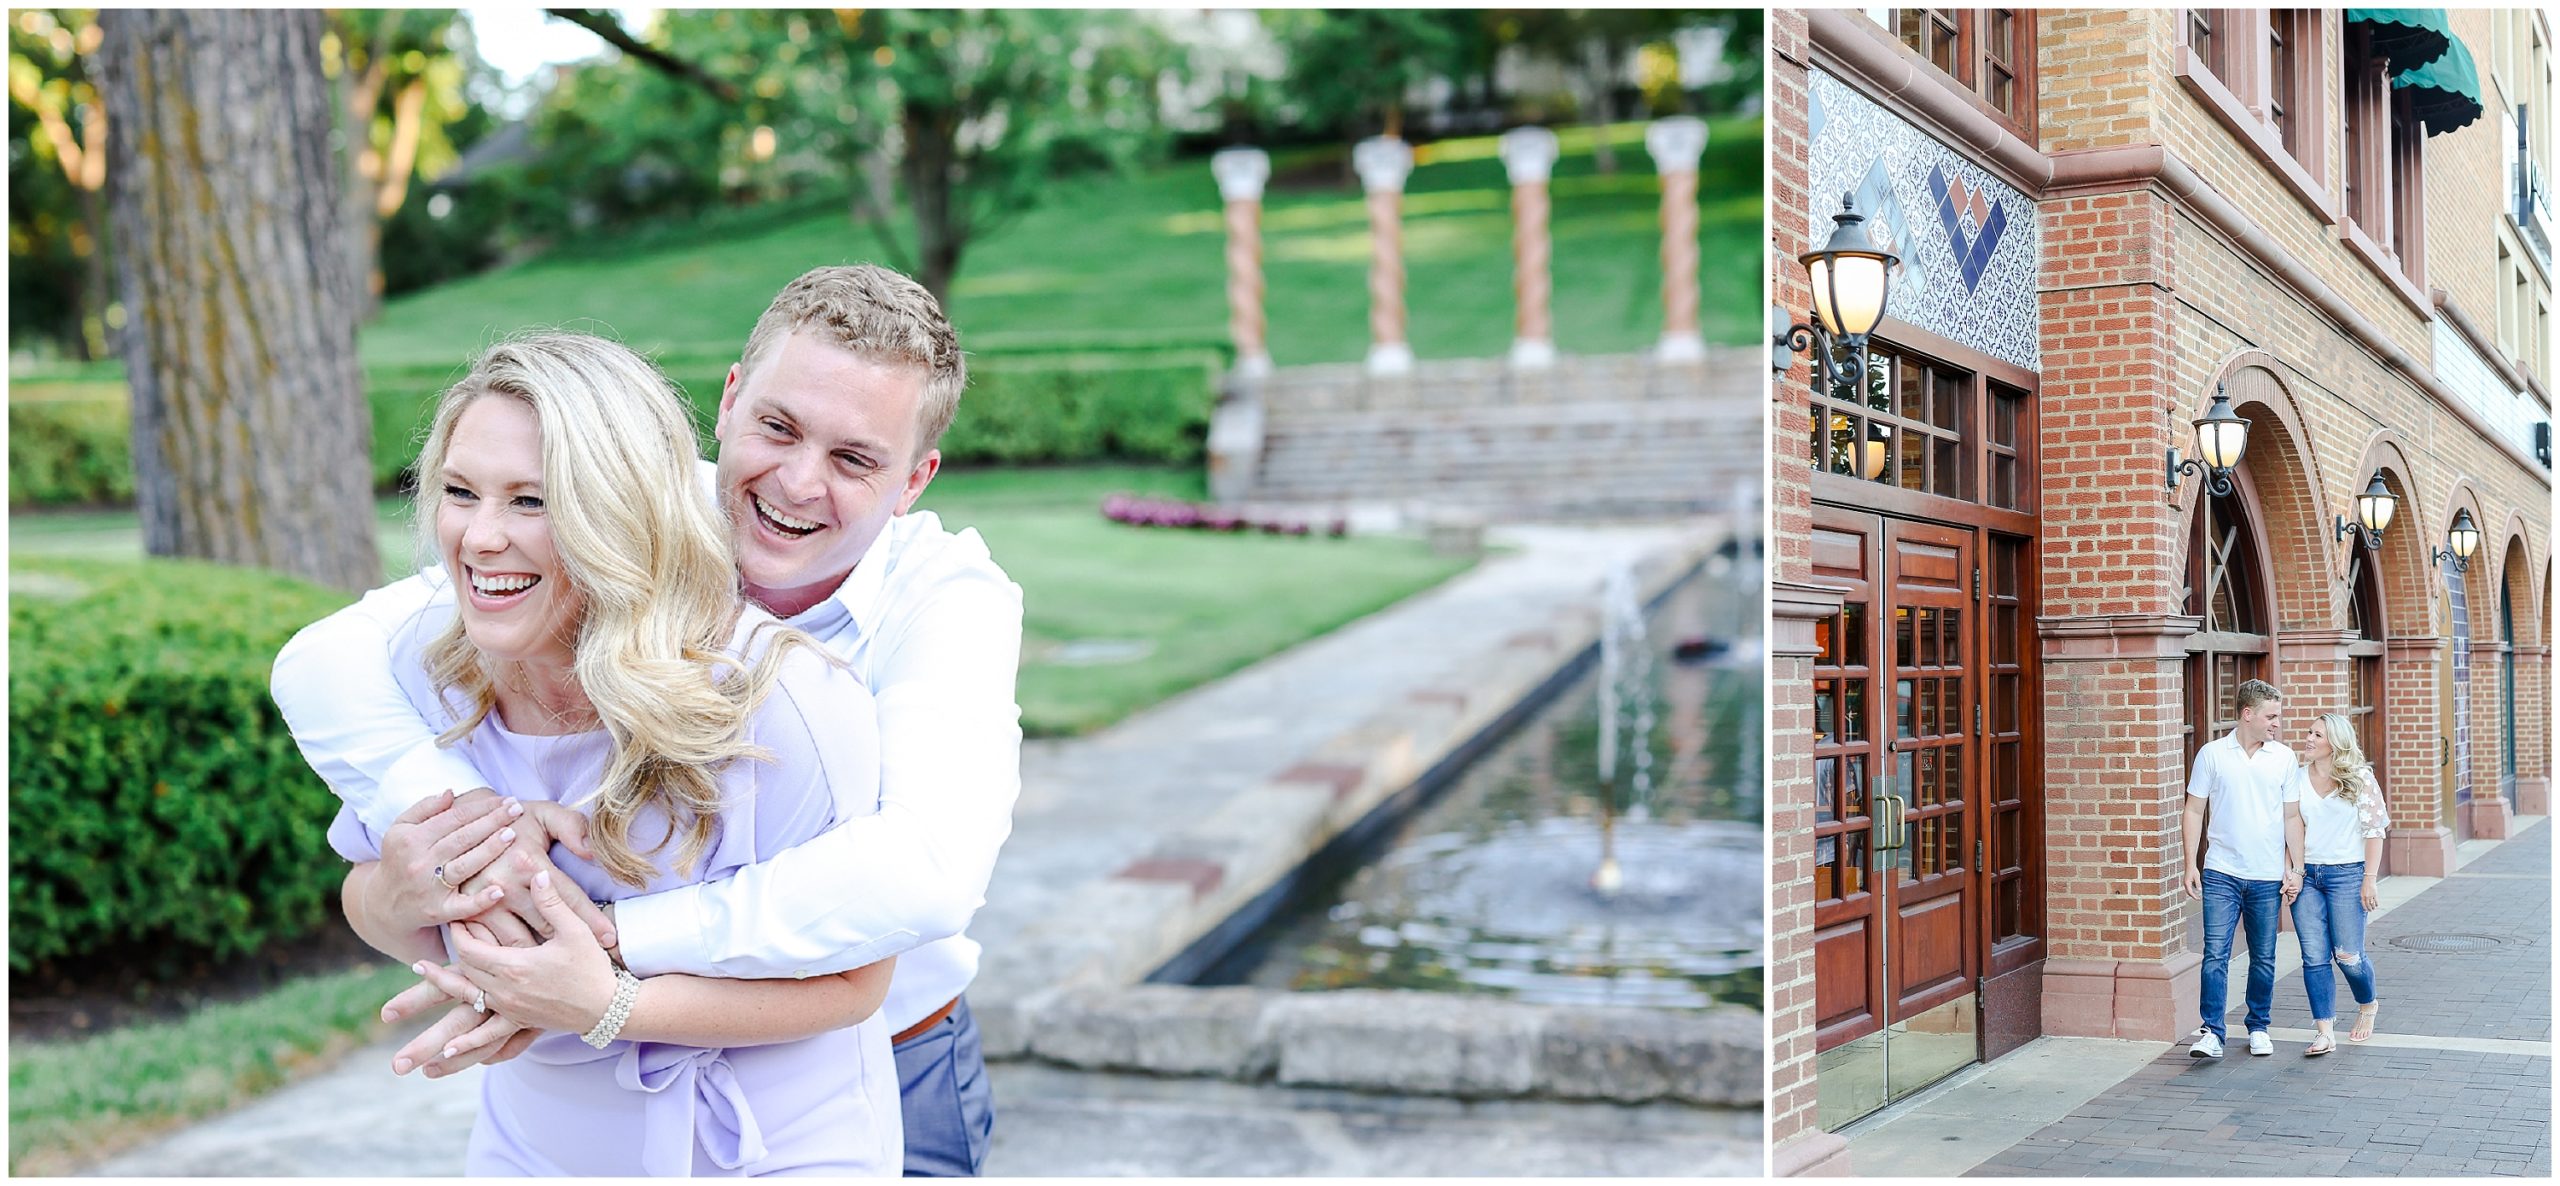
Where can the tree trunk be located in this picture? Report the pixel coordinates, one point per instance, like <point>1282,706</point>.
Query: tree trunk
<point>96,287</point>
<point>932,136</point>
<point>251,437</point>
<point>1604,106</point>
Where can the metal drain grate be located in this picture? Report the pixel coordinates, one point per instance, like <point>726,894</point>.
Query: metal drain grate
<point>2447,944</point>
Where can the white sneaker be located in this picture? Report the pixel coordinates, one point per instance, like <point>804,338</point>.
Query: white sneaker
<point>2259,1043</point>
<point>2206,1045</point>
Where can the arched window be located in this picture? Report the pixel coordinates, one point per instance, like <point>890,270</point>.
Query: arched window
<point>2365,654</point>
<point>2226,586</point>
<point>2507,690</point>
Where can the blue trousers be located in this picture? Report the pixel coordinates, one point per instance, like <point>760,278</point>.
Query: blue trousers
<point>2231,902</point>
<point>944,1099</point>
<point>2329,919</point>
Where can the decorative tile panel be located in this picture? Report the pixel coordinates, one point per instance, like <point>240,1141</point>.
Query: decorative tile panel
<point>1968,240</point>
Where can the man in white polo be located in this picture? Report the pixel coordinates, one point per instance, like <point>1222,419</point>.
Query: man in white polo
<point>2252,858</point>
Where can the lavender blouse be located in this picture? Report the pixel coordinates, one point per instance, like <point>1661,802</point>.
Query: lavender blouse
<point>822,1105</point>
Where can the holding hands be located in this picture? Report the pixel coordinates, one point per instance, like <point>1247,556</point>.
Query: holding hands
<point>479,865</point>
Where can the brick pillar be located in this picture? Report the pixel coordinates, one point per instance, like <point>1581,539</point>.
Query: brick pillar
<point>1793,610</point>
<point>2117,917</point>
<point>1384,162</point>
<point>1676,144</point>
<point>2414,672</point>
<point>1241,173</point>
<point>2533,729</point>
<point>1529,156</point>
<point>2110,405</point>
<point>2488,809</point>
<point>1797,1144</point>
<point>2319,677</point>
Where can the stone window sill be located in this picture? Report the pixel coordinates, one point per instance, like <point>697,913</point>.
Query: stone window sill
<point>2387,266</point>
<point>2256,135</point>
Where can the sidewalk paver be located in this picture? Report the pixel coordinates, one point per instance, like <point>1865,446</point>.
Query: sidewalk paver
<point>2465,958</point>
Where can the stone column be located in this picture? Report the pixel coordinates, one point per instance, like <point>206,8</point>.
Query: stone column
<point>1529,154</point>
<point>1676,144</point>
<point>1241,173</point>
<point>1384,162</point>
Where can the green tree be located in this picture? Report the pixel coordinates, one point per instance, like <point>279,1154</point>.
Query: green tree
<point>1600,44</point>
<point>986,109</point>
<point>1349,69</point>
<point>398,74</point>
<point>58,278</point>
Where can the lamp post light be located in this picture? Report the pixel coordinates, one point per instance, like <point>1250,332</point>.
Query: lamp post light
<point>1852,278</point>
<point>2373,513</point>
<point>2465,538</point>
<point>2221,437</point>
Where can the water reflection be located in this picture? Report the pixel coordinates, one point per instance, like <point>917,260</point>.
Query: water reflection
<point>1489,889</point>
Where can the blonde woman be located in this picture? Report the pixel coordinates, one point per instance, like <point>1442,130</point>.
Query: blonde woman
<point>2343,822</point>
<point>599,657</point>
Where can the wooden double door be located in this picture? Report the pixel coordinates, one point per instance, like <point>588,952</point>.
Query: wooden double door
<point>1904,884</point>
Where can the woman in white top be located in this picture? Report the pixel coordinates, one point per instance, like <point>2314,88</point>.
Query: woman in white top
<point>2342,822</point>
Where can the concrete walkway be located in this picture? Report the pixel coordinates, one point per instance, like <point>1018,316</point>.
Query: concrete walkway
<point>1089,806</point>
<point>2456,1079</point>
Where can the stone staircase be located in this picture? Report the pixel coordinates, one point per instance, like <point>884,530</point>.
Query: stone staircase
<point>1592,437</point>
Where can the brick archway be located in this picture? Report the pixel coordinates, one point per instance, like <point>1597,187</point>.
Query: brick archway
<point>2470,708</point>
<point>2410,607</point>
<point>2285,478</point>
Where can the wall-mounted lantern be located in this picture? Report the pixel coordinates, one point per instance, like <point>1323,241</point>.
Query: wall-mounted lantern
<point>2465,538</point>
<point>2221,438</point>
<point>2373,513</point>
<point>1852,279</point>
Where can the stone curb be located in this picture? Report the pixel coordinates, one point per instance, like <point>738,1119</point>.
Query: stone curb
<point>1115,930</point>
<point>1404,1043</point>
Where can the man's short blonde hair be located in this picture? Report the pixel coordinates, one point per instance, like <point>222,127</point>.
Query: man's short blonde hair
<point>880,315</point>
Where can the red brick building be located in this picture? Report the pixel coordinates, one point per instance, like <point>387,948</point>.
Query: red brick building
<point>1998,631</point>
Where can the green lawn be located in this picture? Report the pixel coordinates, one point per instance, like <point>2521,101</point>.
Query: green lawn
<point>1142,258</point>
<point>73,1102</point>
<point>1115,618</point>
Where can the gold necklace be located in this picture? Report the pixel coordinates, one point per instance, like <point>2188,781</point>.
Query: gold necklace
<point>573,721</point>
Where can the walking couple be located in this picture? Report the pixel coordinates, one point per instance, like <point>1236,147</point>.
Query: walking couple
<point>2302,830</point>
<point>678,783</point>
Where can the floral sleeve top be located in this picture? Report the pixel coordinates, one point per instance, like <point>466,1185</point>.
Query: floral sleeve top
<point>2334,830</point>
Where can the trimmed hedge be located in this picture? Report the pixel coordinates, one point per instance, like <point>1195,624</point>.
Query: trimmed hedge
<point>70,453</point>
<point>156,803</point>
<point>1020,408</point>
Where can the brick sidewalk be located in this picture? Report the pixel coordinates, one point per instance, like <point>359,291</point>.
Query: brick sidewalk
<point>2466,959</point>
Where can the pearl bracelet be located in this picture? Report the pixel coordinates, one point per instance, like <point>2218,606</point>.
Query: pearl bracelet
<point>626,989</point>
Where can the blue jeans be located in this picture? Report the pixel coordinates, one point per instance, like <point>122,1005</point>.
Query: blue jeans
<point>2230,900</point>
<point>943,1098</point>
<point>2329,919</point>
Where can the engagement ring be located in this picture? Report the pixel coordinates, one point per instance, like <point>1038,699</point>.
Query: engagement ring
<point>480,1001</point>
<point>441,881</point>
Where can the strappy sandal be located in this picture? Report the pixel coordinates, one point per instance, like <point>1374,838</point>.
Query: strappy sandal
<point>2364,1022</point>
<point>2320,1044</point>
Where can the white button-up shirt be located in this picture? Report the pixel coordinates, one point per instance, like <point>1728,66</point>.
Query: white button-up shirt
<point>933,627</point>
<point>2245,837</point>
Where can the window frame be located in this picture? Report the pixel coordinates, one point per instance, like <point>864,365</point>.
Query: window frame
<point>2382,217</point>
<point>2235,77</point>
<point>1974,59</point>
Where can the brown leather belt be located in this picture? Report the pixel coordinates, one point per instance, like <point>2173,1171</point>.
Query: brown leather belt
<point>918,1029</point>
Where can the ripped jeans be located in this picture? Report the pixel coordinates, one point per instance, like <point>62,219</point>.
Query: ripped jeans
<point>2328,917</point>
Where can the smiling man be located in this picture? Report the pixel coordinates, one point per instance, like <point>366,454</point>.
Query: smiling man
<point>827,427</point>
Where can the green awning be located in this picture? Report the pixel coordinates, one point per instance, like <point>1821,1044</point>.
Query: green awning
<point>2445,92</point>
<point>2407,38</point>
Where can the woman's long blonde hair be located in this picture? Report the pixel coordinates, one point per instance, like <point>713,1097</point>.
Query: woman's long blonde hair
<point>652,558</point>
<point>2348,768</point>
